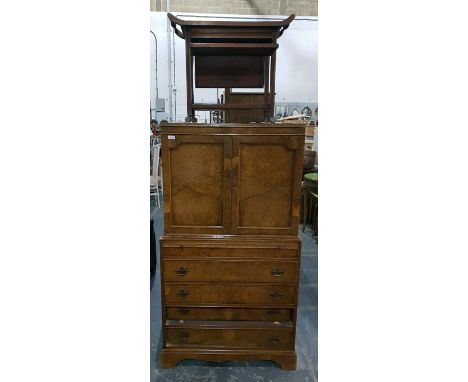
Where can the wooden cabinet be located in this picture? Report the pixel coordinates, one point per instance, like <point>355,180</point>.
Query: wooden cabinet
<point>230,252</point>
<point>232,180</point>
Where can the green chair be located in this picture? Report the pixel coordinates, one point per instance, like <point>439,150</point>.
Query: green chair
<point>311,178</point>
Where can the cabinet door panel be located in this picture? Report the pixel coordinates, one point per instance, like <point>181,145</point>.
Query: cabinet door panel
<point>266,184</point>
<point>196,183</point>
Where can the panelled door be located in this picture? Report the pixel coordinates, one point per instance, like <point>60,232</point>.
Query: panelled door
<point>197,183</point>
<point>266,177</point>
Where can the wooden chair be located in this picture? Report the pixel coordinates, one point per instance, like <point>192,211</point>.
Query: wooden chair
<point>153,143</point>
<point>313,212</point>
<point>310,201</point>
<point>156,178</point>
<point>309,162</point>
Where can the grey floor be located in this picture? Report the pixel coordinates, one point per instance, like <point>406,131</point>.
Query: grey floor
<point>261,371</point>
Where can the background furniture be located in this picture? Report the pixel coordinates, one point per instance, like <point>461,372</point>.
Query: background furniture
<point>155,178</point>
<point>153,142</point>
<point>230,251</point>
<point>310,202</point>
<point>243,116</point>
<point>230,54</point>
<point>314,214</point>
<point>153,259</point>
<point>309,162</point>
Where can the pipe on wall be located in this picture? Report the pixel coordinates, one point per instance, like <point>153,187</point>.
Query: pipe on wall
<point>156,73</point>
<point>175,86</point>
<point>169,67</point>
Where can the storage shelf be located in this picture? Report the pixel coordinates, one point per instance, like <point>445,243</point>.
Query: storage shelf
<point>223,106</point>
<point>226,49</point>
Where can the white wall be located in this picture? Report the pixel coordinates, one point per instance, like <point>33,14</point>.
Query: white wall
<point>296,65</point>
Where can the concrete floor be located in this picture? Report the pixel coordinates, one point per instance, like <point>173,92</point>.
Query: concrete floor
<point>261,371</point>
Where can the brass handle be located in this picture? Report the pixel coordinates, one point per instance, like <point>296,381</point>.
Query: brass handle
<point>273,340</point>
<point>275,295</point>
<point>184,336</point>
<point>182,293</point>
<point>183,310</point>
<point>277,272</point>
<point>272,312</point>
<point>181,271</point>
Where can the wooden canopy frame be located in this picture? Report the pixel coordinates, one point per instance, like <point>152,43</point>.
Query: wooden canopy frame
<point>230,54</point>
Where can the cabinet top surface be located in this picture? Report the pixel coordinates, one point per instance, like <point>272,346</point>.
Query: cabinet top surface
<point>234,128</point>
<point>223,23</point>
<point>230,125</point>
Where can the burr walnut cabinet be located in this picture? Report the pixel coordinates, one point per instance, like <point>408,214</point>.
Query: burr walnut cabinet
<point>230,252</point>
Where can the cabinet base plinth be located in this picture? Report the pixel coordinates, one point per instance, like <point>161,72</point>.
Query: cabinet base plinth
<point>285,359</point>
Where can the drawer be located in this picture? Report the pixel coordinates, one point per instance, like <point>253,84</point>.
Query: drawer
<point>221,337</point>
<point>229,314</point>
<point>214,293</point>
<point>181,250</point>
<point>229,270</point>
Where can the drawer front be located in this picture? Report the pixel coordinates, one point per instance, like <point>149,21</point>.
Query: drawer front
<point>230,270</point>
<point>229,314</point>
<point>193,251</point>
<point>230,294</point>
<point>230,338</point>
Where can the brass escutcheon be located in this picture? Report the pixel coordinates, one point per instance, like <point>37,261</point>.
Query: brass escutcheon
<point>182,293</point>
<point>181,271</point>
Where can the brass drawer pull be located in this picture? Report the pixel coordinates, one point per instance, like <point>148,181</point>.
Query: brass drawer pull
<point>272,312</point>
<point>275,295</point>
<point>181,271</point>
<point>182,293</point>
<point>277,272</point>
<point>183,311</point>
<point>184,336</point>
<point>273,340</point>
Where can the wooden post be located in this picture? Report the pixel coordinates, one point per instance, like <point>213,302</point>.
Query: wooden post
<point>272,86</point>
<point>189,77</point>
<point>266,74</point>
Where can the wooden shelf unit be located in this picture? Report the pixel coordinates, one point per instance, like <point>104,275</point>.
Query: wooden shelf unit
<point>230,54</point>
